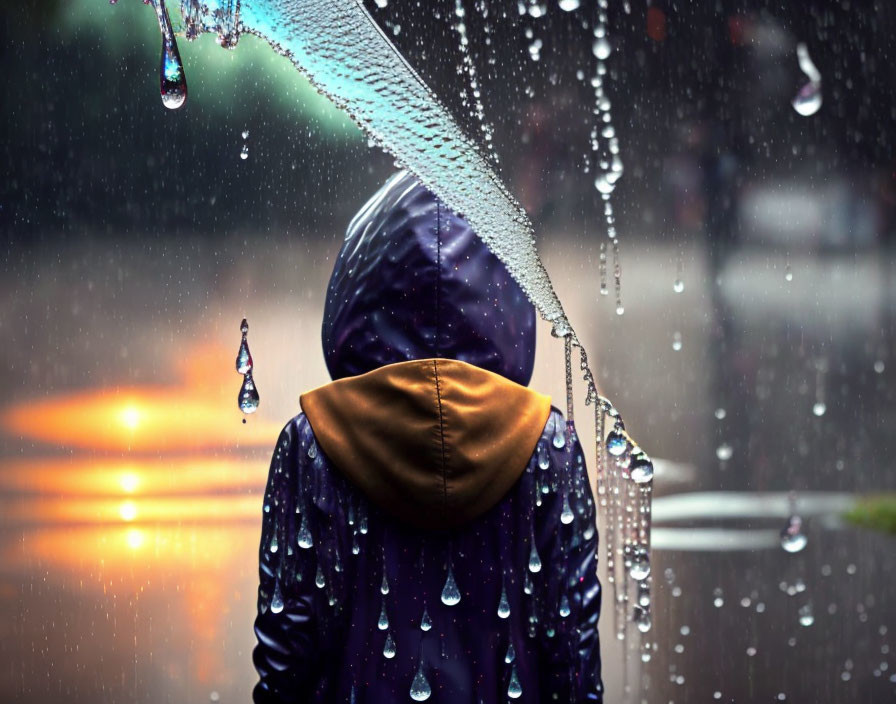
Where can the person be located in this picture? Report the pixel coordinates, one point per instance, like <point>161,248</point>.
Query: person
<point>428,527</point>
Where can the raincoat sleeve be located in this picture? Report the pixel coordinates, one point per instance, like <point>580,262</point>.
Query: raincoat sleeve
<point>285,625</point>
<point>573,654</point>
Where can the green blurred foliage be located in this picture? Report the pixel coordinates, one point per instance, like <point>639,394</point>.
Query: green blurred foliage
<point>877,512</point>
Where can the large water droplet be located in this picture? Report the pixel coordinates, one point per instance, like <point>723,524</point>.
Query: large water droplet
<point>503,605</point>
<point>172,80</point>
<point>383,621</point>
<point>248,397</point>
<point>724,452</point>
<point>641,469</point>
<point>569,5</point>
<point>617,444</point>
<point>559,438</point>
<point>305,539</point>
<point>425,621</point>
<point>277,599</point>
<point>534,559</point>
<point>514,688</point>
<point>640,567</point>
<point>450,592</point>
<point>243,356</point>
<point>384,587</point>
<point>601,48</point>
<point>420,690</point>
<point>389,647</point>
<point>319,580</point>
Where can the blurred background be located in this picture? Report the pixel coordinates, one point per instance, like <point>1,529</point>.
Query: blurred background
<point>754,358</point>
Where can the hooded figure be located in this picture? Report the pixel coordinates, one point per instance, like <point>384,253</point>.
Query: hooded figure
<point>429,527</point>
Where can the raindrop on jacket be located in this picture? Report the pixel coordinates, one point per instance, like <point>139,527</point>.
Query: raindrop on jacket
<point>417,543</point>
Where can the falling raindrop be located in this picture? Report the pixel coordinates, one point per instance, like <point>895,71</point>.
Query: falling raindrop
<point>569,5</point>
<point>807,101</point>
<point>819,408</point>
<point>244,152</point>
<point>247,399</point>
<point>384,587</point>
<point>312,450</point>
<point>277,599</point>
<point>274,544</point>
<point>450,592</point>
<point>676,341</point>
<point>792,537</point>
<point>420,689</point>
<point>389,647</point>
<point>678,286</point>
<point>724,452</point>
<point>319,580</point>
<point>527,584</point>
<point>514,689</point>
<point>601,48</point>
<point>172,80</point>
<point>807,618</point>
<point>503,604</point>
<point>383,621</point>
<point>425,621</point>
<point>559,439</point>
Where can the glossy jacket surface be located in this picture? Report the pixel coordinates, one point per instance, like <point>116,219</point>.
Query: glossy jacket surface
<point>344,587</point>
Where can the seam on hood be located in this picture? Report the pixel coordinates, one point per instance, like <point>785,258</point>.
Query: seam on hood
<point>444,468</point>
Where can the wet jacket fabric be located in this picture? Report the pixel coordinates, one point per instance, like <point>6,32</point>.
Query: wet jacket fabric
<point>428,525</point>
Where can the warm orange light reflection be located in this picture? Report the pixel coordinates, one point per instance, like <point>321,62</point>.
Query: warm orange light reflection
<point>127,510</point>
<point>129,482</point>
<point>134,538</point>
<point>130,417</point>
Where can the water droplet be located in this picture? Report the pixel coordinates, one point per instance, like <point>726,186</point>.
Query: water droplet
<point>534,559</point>
<point>720,413</point>
<point>248,397</point>
<point>527,584</point>
<point>244,152</point>
<point>172,80</point>
<point>425,621</point>
<point>389,647</point>
<point>245,134</point>
<point>566,515</point>
<point>564,606</point>
<point>569,5</point>
<point>544,460</point>
<point>788,273</point>
<point>559,439</point>
<point>383,621</point>
<point>724,452</point>
<point>274,544</point>
<point>384,587</point>
<point>420,690</point>
<point>678,286</point>
<point>819,408</point>
<point>617,444</point>
<point>808,100</point>
<point>640,567</point>
<point>642,619</point>
<point>312,450</point>
<point>243,356</point>
<point>601,48</point>
<point>305,539</point>
<point>792,537</point>
<point>641,470</point>
<point>807,618</point>
<point>510,656</point>
<point>450,592</point>
<point>319,580</point>
<point>503,605</point>
<point>514,689</point>
<point>277,599</point>
<point>676,341</point>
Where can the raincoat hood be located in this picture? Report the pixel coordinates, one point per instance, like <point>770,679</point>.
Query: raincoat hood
<point>430,342</point>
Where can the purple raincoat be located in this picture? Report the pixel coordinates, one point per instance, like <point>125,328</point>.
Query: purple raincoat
<point>358,606</point>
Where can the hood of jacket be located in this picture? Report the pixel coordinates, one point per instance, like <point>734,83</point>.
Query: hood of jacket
<point>430,343</point>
